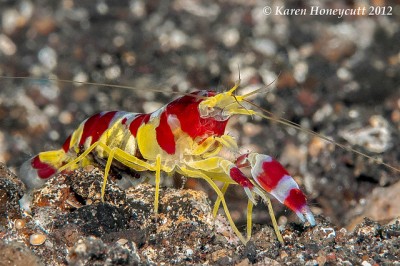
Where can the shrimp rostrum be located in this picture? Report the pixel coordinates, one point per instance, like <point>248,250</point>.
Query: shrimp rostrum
<point>185,136</point>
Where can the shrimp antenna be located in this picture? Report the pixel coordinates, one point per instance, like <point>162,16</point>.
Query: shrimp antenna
<point>263,88</point>
<point>241,105</point>
<point>100,84</point>
<point>270,116</point>
<point>264,112</point>
<point>239,77</point>
<point>234,95</point>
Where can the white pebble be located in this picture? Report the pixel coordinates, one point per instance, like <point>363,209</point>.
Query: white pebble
<point>7,46</point>
<point>189,252</point>
<point>48,57</point>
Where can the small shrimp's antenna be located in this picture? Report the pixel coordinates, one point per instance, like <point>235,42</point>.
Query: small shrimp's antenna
<point>239,75</point>
<point>101,84</point>
<point>263,88</point>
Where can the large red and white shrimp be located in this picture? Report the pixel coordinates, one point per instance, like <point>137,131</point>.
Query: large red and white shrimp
<point>185,136</point>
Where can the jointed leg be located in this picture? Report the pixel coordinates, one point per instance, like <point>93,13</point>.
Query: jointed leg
<point>199,174</point>
<point>127,160</point>
<point>250,218</point>
<point>106,171</point>
<point>80,157</point>
<point>218,200</point>
<point>233,171</point>
<point>273,219</point>
<point>216,166</point>
<point>158,177</point>
<point>236,174</point>
<point>272,177</point>
<point>137,164</point>
<point>242,162</point>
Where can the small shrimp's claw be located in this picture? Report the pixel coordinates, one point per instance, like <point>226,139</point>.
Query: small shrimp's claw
<point>296,201</point>
<point>242,180</point>
<point>272,177</point>
<point>309,216</point>
<point>305,214</point>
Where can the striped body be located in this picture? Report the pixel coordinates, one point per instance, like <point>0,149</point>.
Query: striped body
<point>173,131</point>
<point>184,136</point>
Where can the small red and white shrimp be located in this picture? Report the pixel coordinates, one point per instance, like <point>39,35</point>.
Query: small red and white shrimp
<point>185,136</point>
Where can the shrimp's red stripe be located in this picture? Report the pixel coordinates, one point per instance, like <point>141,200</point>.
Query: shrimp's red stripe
<point>240,178</point>
<point>67,144</point>
<point>44,170</point>
<point>95,126</point>
<point>164,135</point>
<point>187,112</point>
<point>137,122</point>
<point>295,200</point>
<point>272,177</point>
<point>272,174</point>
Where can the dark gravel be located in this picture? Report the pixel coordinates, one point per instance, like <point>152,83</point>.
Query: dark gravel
<point>123,230</point>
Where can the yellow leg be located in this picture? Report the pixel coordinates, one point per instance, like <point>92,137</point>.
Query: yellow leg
<point>249,218</point>
<point>106,171</point>
<point>135,163</point>
<point>198,174</point>
<point>115,153</point>
<point>126,159</point>
<point>218,201</point>
<point>132,161</point>
<point>80,157</point>
<point>122,156</point>
<point>158,177</point>
<point>275,224</point>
